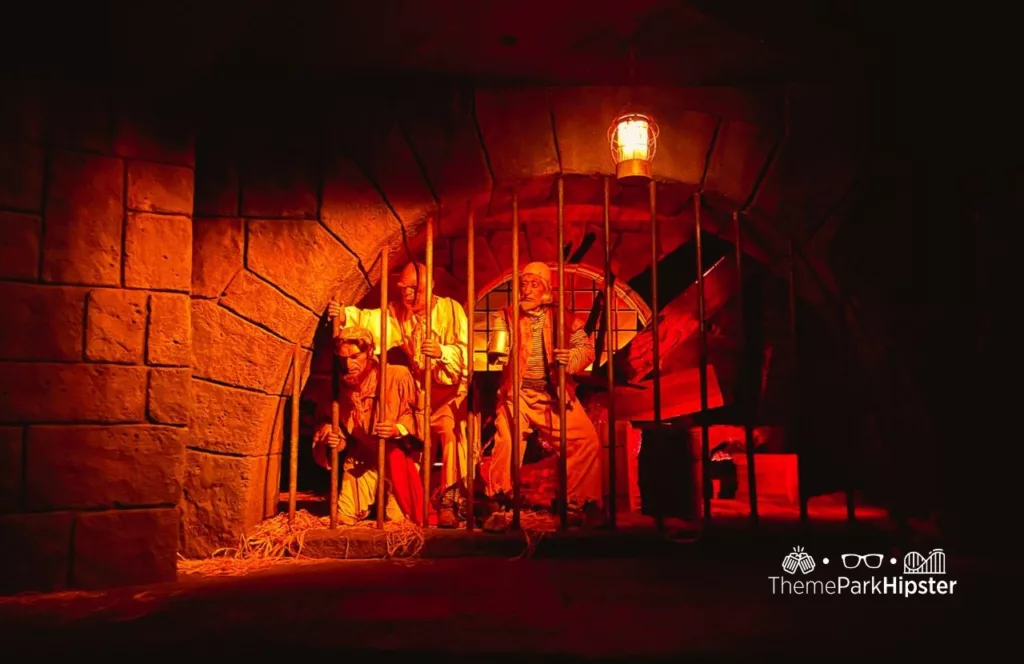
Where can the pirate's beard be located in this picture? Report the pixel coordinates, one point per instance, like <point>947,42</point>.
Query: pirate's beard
<point>354,379</point>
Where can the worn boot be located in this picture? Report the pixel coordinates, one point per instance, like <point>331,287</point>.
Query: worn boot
<point>448,515</point>
<point>587,516</point>
<point>497,522</point>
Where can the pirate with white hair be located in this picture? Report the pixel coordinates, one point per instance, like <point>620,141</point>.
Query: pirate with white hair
<point>538,360</point>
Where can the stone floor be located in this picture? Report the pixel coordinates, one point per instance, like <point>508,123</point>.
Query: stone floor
<point>633,595</point>
<point>635,534</point>
<point>487,609</point>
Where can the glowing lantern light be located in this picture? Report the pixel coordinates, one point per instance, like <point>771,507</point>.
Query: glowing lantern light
<point>633,138</point>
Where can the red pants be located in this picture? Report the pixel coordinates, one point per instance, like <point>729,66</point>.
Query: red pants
<point>406,485</point>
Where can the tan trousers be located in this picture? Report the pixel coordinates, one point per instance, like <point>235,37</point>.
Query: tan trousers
<point>538,412</point>
<point>358,492</point>
<point>448,429</point>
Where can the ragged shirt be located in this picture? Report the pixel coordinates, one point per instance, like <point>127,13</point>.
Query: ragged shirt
<point>449,324</point>
<point>357,412</point>
<point>536,367</point>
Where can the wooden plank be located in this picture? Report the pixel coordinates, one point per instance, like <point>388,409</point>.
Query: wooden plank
<point>678,322</point>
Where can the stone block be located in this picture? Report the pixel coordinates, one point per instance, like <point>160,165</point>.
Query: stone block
<point>228,420</point>
<point>256,300</point>
<point>158,252</point>
<point>115,326</point>
<point>354,211</point>
<point>20,240</point>
<point>170,396</point>
<point>84,214</point>
<point>36,552</point>
<point>272,488</point>
<point>741,151</point>
<point>543,241</point>
<point>582,116</point>
<point>487,267</point>
<point>89,467</point>
<point>280,187</point>
<point>41,322</point>
<point>517,132</point>
<point>217,249</point>
<point>40,392</point>
<point>152,135</point>
<point>160,188</point>
<point>441,128</point>
<point>170,330</point>
<point>231,350</point>
<point>125,547</point>
<point>216,191</point>
<point>500,243</point>
<point>394,168</point>
<point>223,496</point>
<point>10,468</point>
<point>301,258</point>
<point>21,176</point>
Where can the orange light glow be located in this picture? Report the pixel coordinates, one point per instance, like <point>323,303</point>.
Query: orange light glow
<point>631,138</point>
<point>634,139</point>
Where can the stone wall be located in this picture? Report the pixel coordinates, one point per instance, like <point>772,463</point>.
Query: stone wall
<point>95,258</point>
<point>148,357</point>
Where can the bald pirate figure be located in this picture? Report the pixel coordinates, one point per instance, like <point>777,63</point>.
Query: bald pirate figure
<point>445,339</point>
<point>361,431</point>
<point>538,360</point>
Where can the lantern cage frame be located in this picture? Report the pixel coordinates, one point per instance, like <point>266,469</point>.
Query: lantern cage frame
<point>633,171</point>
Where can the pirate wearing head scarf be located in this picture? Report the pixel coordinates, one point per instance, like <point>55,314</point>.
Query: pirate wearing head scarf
<point>538,360</point>
<point>445,339</point>
<point>361,429</point>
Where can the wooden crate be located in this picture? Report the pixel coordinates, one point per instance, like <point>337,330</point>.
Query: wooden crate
<point>776,475</point>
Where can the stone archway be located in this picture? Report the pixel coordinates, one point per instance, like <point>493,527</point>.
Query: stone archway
<point>280,228</point>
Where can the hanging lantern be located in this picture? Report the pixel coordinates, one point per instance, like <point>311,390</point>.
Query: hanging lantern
<point>633,138</point>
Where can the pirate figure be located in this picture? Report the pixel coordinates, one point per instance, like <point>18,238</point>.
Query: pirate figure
<point>538,398</point>
<point>442,335</point>
<point>361,430</point>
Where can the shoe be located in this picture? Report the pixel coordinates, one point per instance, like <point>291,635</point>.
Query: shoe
<point>588,516</point>
<point>448,514</point>
<point>496,523</point>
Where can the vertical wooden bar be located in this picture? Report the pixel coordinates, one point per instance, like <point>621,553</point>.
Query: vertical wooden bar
<point>702,330</point>
<point>748,413</point>
<point>382,505</point>
<point>335,427</point>
<point>471,400</point>
<point>428,370</point>
<point>563,457</point>
<point>851,460</point>
<point>293,465</point>
<point>655,333</point>
<point>796,387</point>
<point>514,359</point>
<point>610,324</point>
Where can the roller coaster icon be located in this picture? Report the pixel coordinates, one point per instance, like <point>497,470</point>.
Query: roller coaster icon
<point>934,563</point>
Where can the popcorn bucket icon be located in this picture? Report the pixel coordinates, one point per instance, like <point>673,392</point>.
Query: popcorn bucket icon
<point>798,560</point>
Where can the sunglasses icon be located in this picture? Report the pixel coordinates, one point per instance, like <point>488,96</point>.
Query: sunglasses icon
<point>870,560</point>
